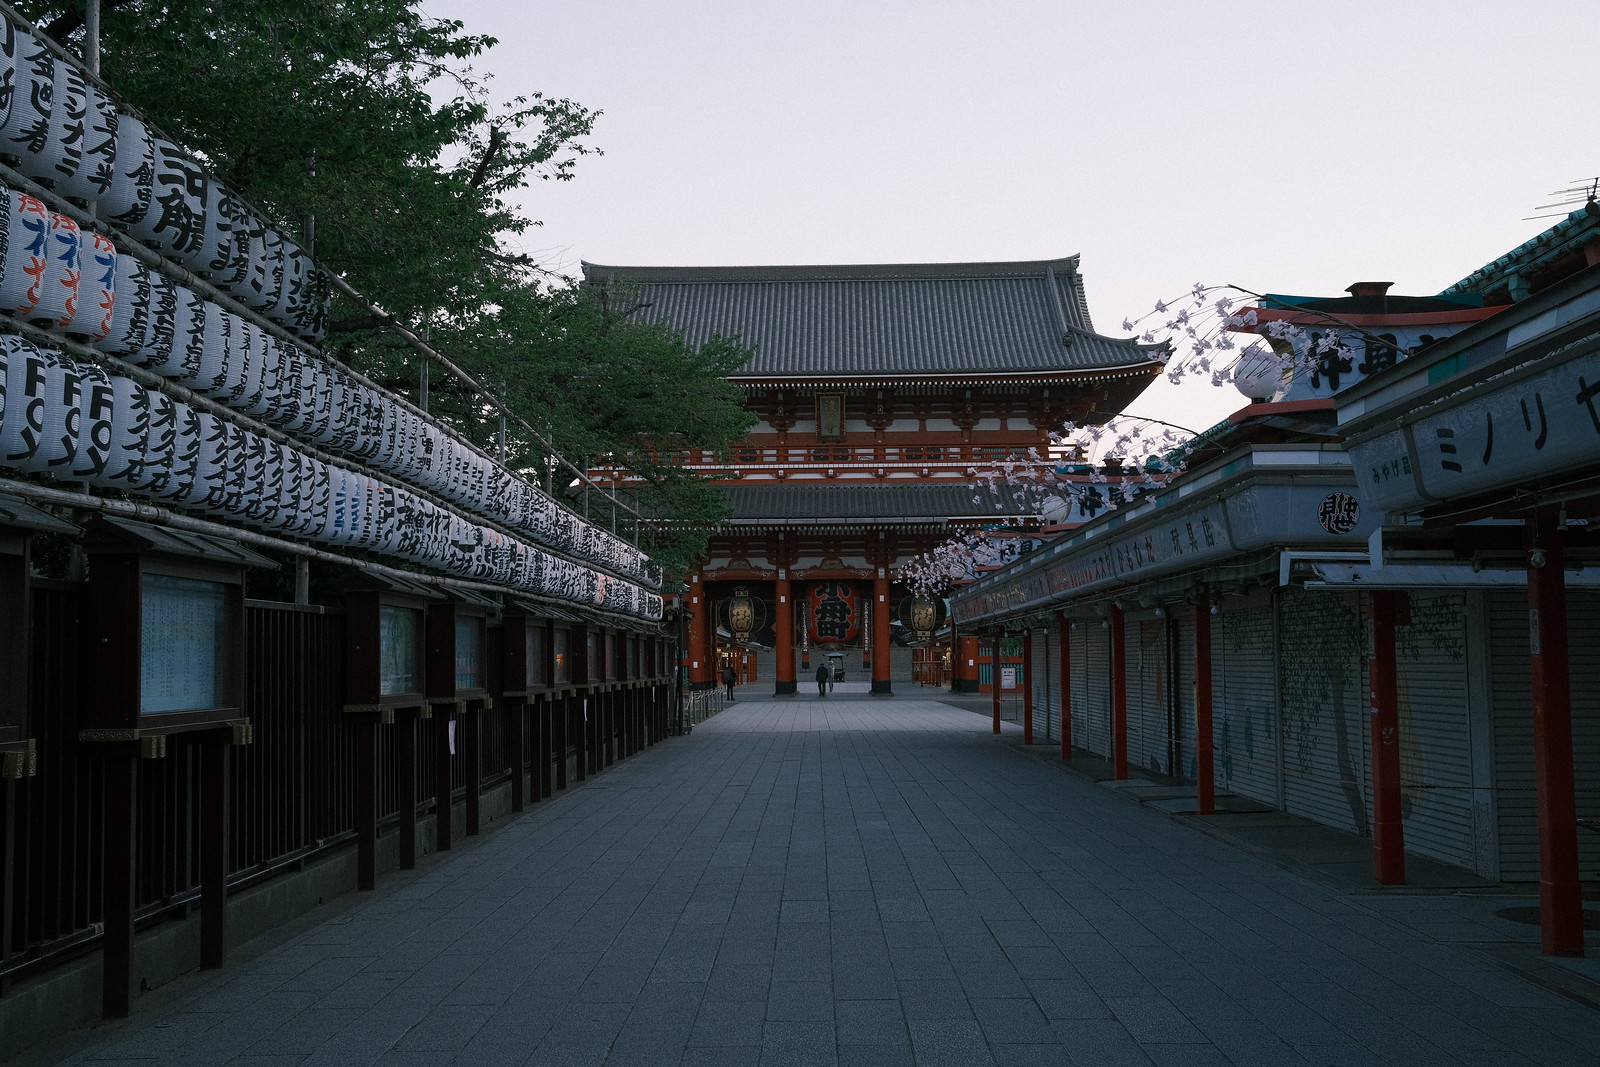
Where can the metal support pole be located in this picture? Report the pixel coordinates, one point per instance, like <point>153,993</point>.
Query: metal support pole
<point>1027,687</point>
<point>994,679</point>
<point>1560,894</point>
<point>1205,746</point>
<point>1388,829</point>
<point>1064,629</point>
<point>1119,693</point>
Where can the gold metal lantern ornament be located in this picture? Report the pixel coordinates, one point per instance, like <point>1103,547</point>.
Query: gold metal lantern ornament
<point>921,615</point>
<point>743,614</point>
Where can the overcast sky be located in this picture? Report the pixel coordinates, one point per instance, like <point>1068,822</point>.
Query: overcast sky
<point>1281,145</point>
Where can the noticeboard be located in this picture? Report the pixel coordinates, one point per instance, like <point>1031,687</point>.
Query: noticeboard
<point>400,649</point>
<point>183,644</point>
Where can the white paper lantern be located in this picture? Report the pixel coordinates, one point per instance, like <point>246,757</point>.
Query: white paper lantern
<point>97,288</point>
<point>374,532</point>
<point>176,219</point>
<point>130,427</point>
<point>336,431</point>
<point>222,467</point>
<point>61,154</point>
<point>316,498</point>
<point>225,249</point>
<point>251,386</point>
<point>63,411</point>
<point>152,333</point>
<point>58,289</point>
<point>218,371</point>
<point>343,507</point>
<point>262,474</point>
<point>96,411</point>
<point>131,292</point>
<point>27,125</point>
<point>264,279</point>
<point>189,428</point>
<point>179,345</point>
<point>27,252</point>
<point>132,175</point>
<point>91,181</point>
<point>318,395</point>
<point>12,37</point>
<point>161,442</point>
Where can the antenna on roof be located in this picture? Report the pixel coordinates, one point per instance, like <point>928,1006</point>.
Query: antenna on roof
<point>1582,191</point>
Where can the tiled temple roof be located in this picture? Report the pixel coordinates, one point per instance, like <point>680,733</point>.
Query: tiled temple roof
<point>916,319</point>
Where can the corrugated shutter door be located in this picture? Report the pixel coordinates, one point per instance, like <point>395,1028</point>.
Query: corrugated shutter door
<point>1091,674</point>
<point>1323,696</point>
<point>1245,698</point>
<point>1510,689</point>
<point>1435,729</point>
<point>1583,632</point>
<point>1183,661</point>
<point>1046,683</point>
<point>1509,684</point>
<point>1147,691</point>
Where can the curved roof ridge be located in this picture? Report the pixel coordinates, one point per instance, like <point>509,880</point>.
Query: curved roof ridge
<point>597,273</point>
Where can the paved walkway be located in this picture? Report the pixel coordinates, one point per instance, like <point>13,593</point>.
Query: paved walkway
<point>853,880</point>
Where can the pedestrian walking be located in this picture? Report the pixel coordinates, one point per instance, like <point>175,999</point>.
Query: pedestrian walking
<point>728,678</point>
<point>824,676</point>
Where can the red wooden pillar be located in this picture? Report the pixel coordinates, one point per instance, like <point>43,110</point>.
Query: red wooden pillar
<point>367,801</point>
<point>560,735</point>
<point>1064,637</point>
<point>444,714</point>
<point>1027,687</point>
<point>405,758</point>
<point>578,713</point>
<point>700,666</point>
<point>1204,733</point>
<point>881,657</point>
<point>472,741</point>
<point>121,847</point>
<point>214,748</point>
<point>966,672</point>
<point>1560,897</point>
<point>515,710</point>
<point>783,624</point>
<point>1119,693</point>
<point>994,675</point>
<point>1388,829</point>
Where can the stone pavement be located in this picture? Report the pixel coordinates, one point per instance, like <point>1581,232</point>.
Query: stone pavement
<point>850,880</point>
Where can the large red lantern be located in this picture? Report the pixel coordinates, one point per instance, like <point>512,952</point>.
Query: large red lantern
<point>835,613</point>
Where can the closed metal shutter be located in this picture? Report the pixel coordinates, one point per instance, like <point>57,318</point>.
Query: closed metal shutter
<point>1436,728</point>
<point>1244,680</point>
<point>1091,681</point>
<point>1182,631</point>
<point>1510,690</point>
<point>1323,695</point>
<point>1512,716</point>
<point>1046,684</point>
<point>1148,686</point>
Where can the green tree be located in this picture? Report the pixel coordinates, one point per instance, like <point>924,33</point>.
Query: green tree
<point>363,128</point>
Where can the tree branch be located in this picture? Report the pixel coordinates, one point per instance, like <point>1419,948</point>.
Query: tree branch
<point>72,20</point>
<point>497,140</point>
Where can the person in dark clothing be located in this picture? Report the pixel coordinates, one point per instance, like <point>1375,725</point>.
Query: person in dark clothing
<point>728,678</point>
<point>823,675</point>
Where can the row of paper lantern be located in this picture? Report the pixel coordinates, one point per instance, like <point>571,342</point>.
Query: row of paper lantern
<point>66,131</point>
<point>79,422</point>
<point>73,282</point>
